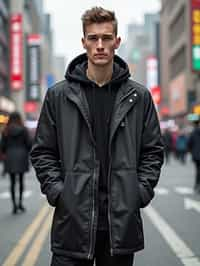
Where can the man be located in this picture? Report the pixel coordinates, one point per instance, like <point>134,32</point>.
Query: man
<point>194,148</point>
<point>97,153</point>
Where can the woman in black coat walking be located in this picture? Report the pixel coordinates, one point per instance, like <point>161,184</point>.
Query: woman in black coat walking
<point>16,144</point>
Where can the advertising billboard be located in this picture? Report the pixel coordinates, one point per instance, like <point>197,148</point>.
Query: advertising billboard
<point>33,84</point>
<point>152,72</point>
<point>16,52</point>
<point>152,78</point>
<point>195,35</point>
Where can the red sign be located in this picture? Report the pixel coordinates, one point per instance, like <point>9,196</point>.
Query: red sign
<point>34,39</point>
<point>152,72</point>
<point>30,107</point>
<point>16,49</point>
<point>195,3</point>
<point>164,111</point>
<point>156,94</point>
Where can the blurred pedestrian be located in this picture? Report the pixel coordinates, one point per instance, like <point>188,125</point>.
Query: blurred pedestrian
<point>168,144</point>
<point>174,133</point>
<point>181,147</point>
<point>15,145</point>
<point>194,148</point>
<point>98,152</point>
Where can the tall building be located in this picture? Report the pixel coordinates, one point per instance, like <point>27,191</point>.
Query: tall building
<point>31,51</point>
<point>6,104</point>
<point>141,43</point>
<point>180,84</point>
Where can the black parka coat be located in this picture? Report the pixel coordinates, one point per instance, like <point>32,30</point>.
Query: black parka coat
<point>64,158</point>
<point>16,144</point>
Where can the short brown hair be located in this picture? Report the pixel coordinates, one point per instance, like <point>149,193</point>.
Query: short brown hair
<point>98,15</point>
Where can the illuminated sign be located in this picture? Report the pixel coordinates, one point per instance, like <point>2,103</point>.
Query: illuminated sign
<point>196,109</point>
<point>30,107</point>
<point>152,72</point>
<point>156,94</point>
<point>195,34</point>
<point>16,56</point>
<point>33,85</point>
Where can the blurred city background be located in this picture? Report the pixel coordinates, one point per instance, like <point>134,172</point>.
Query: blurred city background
<point>163,53</point>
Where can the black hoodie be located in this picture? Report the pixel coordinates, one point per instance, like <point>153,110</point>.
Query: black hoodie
<point>100,101</point>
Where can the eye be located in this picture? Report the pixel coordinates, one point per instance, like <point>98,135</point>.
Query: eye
<point>107,37</point>
<point>92,38</point>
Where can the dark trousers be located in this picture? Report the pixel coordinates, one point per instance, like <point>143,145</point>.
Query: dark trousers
<point>102,256</point>
<point>13,185</point>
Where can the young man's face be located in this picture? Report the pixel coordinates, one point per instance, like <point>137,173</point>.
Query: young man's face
<point>100,43</point>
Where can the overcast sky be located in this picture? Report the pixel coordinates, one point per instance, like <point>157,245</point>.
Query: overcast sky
<point>66,22</point>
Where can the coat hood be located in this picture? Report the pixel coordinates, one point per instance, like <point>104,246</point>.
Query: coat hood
<point>76,70</point>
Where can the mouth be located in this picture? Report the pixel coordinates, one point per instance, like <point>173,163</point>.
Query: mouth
<point>100,55</point>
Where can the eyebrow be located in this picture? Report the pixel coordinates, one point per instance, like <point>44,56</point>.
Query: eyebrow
<point>104,34</point>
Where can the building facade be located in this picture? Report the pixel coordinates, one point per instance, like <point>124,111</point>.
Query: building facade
<point>180,85</point>
<point>6,104</point>
<point>36,55</point>
<point>140,44</point>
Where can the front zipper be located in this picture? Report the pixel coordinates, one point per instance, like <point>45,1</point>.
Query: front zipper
<point>109,208</point>
<point>92,235</point>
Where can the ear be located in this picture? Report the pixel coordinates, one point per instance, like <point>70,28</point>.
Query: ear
<point>83,42</point>
<point>117,42</point>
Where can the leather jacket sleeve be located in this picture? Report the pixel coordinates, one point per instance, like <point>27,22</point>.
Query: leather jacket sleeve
<point>151,153</point>
<point>45,152</point>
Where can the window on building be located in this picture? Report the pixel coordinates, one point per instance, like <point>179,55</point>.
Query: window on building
<point>170,5</point>
<point>177,27</point>
<point>178,62</point>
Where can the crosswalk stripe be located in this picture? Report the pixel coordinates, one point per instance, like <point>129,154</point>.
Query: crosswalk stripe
<point>179,247</point>
<point>184,190</point>
<point>161,191</point>
<point>6,194</point>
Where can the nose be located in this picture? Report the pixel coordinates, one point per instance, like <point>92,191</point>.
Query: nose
<point>99,44</point>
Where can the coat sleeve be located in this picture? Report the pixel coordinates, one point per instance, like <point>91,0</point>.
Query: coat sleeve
<point>151,152</point>
<point>45,153</point>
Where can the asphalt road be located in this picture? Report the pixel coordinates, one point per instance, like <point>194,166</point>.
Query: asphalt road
<point>171,223</point>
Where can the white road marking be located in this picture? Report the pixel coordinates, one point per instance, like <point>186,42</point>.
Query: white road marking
<point>192,204</point>
<point>184,190</point>
<point>6,194</point>
<point>179,247</point>
<point>161,191</point>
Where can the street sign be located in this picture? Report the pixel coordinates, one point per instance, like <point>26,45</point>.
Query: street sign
<point>195,34</point>
<point>16,52</point>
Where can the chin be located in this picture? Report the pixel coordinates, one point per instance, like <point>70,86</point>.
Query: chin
<point>100,62</point>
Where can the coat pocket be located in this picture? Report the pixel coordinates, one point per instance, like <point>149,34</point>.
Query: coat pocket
<point>71,224</point>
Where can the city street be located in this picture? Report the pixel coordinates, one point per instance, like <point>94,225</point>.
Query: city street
<point>171,223</point>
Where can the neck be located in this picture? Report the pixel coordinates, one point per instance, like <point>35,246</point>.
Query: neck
<point>100,75</point>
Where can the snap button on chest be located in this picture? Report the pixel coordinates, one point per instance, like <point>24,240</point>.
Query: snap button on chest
<point>130,100</point>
